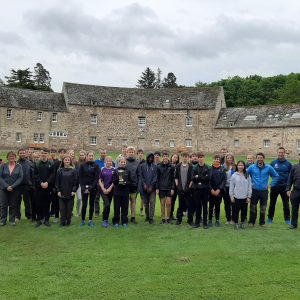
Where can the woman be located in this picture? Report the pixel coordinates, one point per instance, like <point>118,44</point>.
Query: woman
<point>66,186</point>
<point>240,193</point>
<point>175,162</point>
<point>88,180</point>
<point>11,176</point>
<point>106,188</point>
<point>81,160</point>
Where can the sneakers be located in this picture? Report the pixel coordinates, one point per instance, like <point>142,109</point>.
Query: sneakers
<point>269,221</point>
<point>196,225</point>
<point>124,225</point>
<point>218,223</point>
<point>242,225</point>
<point>55,220</point>
<point>236,226</point>
<point>12,223</point>
<point>90,223</point>
<point>210,223</point>
<point>169,221</point>
<point>205,226</point>
<point>38,223</point>
<point>142,213</point>
<point>133,221</point>
<point>227,223</point>
<point>116,225</point>
<point>163,221</point>
<point>46,223</point>
<point>178,222</point>
<point>191,223</point>
<point>2,223</point>
<point>104,224</point>
<point>151,221</point>
<point>147,219</point>
<point>82,223</point>
<point>293,227</point>
<point>287,222</point>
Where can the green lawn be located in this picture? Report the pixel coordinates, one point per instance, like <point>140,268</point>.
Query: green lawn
<point>150,261</point>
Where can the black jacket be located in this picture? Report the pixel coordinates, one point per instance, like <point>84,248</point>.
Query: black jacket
<point>181,188</point>
<point>148,174</point>
<point>121,179</point>
<point>66,182</point>
<point>165,177</point>
<point>28,171</point>
<point>89,175</point>
<point>132,165</point>
<point>200,177</point>
<point>43,172</point>
<point>294,178</point>
<point>217,178</point>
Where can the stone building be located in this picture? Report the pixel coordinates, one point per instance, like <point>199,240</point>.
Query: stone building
<point>94,117</point>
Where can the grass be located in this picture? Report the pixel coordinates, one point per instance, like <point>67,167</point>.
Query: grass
<point>150,262</point>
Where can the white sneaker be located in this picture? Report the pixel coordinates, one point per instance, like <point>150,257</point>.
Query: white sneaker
<point>56,220</point>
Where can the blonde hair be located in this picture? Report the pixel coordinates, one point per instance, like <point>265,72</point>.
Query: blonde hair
<point>131,148</point>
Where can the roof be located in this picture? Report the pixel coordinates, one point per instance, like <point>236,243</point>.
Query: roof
<point>32,99</point>
<point>172,98</point>
<point>260,116</point>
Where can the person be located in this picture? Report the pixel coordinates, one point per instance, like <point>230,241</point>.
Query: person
<point>123,154</point>
<point>200,191</point>
<point>157,156</point>
<point>217,181</point>
<point>35,156</point>
<point>250,160</point>
<point>278,187</point>
<point>294,182</point>
<point>240,191</point>
<point>260,173</point>
<point>106,188</point>
<point>174,161</point>
<point>11,176</point>
<point>43,178</point>
<point>183,176</point>
<point>121,181</point>
<point>88,180</point>
<point>29,154</point>
<point>229,167</point>
<point>53,154</point>
<point>223,153</point>
<point>165,186</point>
<point>148,179</point>
<point>1,162</point>
<point>66,186</point>
<point>194,159</point>
<point>81,160</point>
<point>132,166</point>
<point>26,187</point>
<point>141,159</point>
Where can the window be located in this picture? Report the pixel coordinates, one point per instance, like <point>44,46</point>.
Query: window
<point>109,142</point>
<point>236,143</point>
<point>8,113</point>
<point>54,117</point>
<point>189,121</point>
<point>39,116</point>
<point>93,119</point>
<point>298,145</point>
<point>124,142</point>
<point>156,143</point>
<point>93,140</point>
<point>18,137</point>
<point>172,143</point>
<point>39,138</point>
<point>267,143</point>
<point>57,134</point>
<point>188,143</point>
<point>142,121</point>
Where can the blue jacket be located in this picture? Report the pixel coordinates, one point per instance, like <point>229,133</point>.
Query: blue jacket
<point>260,176</point>
<point>283,168</point>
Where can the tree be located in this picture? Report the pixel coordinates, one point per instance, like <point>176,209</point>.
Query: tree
<point>42,79</point>
<point>1,82</point>
<point>20,78</point>
<point>170,81</point>
<point>147,79</point>
<point>158,81</point>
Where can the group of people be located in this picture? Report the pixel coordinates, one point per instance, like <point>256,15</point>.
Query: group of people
<point>48,186</point>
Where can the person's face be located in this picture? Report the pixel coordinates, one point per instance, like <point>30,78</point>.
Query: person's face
<point>35,156</point>
<point>150,159</point>
<point>201,160</point>
<point>260,159</point>
<point>157,158</point>
<point>122,163</point>
<point>72,154</point>
<point>216,160</point>
<point>165,159</point>
<point>229,159</point>
<point>81,156</point>
<point>185,159</point>
<point>90,157</point>
<point>240,167</point>
<point>62,155</point>
<point>108,163</point>
<point>130,153</point>
<point>194,158</point>
<point>281,154</point>
<point>102,154</point>
<point>44,155</point>
<point>223,152</point>
<point>11,158</point>
<point>22,154</point>
<point>140,155</point>
<point>29,152</point>
<point>67,161</point>
<point>174,159</point>
<point>250,159</point>
<point>53,155</point>
<point>124,151</point>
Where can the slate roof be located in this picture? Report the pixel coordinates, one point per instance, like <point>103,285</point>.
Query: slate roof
<point>31,99</point>
<point>174,98</point>
<point>260,116</point>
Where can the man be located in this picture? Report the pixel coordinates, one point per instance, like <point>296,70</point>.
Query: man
<point>101,163</point>
<point>278,187</point>
<point>294,181</point>
<point>53,153</point>
<point>29,153</point>
<point>223,153</point>
<point>132,166</point>
<point>260,173</point>
<point>26,187</point>
<point>141,159</point>
<point>250,160</point>
<point>157,156</point>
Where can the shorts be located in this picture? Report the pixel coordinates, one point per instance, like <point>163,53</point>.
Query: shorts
<point>163,194</point>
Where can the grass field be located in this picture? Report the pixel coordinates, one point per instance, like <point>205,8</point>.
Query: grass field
<point>150,261</point>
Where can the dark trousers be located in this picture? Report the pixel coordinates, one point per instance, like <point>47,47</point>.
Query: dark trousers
<point>198,203</point>
<point>43,199</point>
<point>240,205</point>
<point>85,197</point>
<point>275,192</point>
<point>227,205</point>
<point>97,203</point>
<point>121,204</point>
<point>173,201</point>
<point>25,192</point>
<point>8,202</point>
<point>33,198</point>
<point>262,197</point>
<point>295,201</point>
<point>106,205</point>
<point>184,197</point>
<point>65,209</point>
<point>214,204</point>
<point>54,204</point>
<point>149,200</point>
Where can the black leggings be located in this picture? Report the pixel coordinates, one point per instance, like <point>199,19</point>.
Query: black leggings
<point>84,204</point>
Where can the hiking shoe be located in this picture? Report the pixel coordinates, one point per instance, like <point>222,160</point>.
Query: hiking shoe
<point>124,225</point>
<point>218,223</point>
<point>269,221</point>
<point>104,223</point>
<point>116,225</point>
<point>82,223</point>
<point>287,222</point>
<point>90,223</point>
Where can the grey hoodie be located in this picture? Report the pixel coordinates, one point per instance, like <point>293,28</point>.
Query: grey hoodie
<point>240,186</point>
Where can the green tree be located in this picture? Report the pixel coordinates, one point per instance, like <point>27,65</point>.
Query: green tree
<point>147,79</point>
<point>158,81</point>
<point>42,79</point>
<point>290,93</point>
<point>20,78</point>
<point>170,81</point>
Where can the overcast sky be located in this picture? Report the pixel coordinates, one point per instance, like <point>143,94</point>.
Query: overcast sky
<point>112,42</point>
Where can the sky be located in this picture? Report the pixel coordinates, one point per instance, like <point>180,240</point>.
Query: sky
<point>111,43</point>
